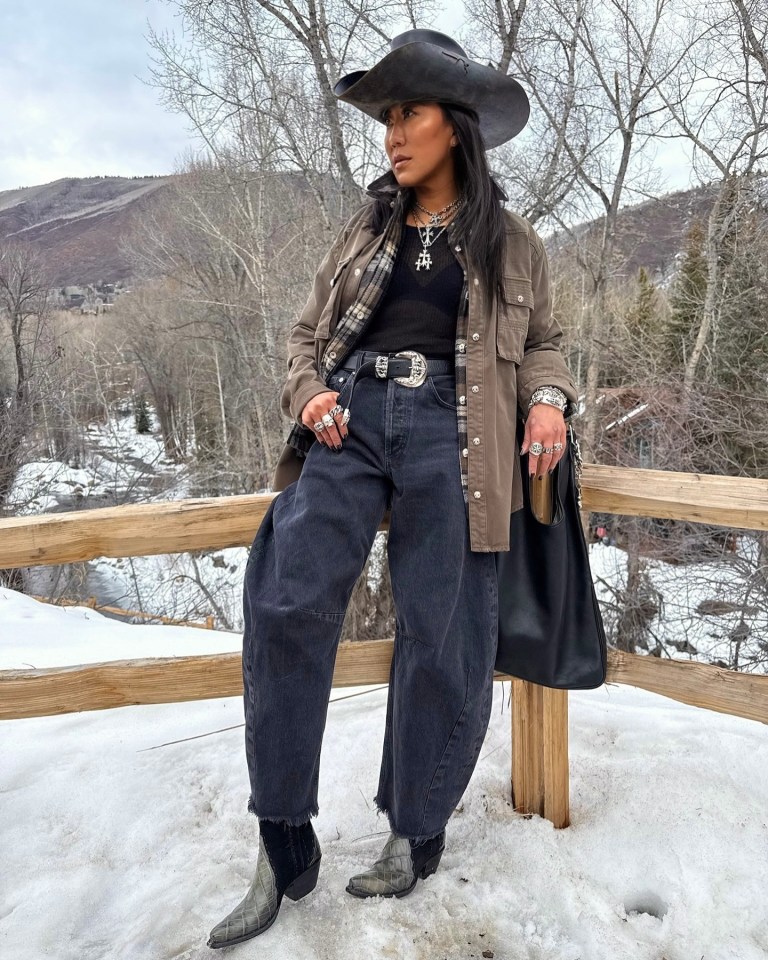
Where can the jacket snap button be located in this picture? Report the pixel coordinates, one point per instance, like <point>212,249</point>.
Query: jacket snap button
<point>357,274</point>
<point>461,348</point>
<point>477,494</point>
<point>475,440</point>
<point>462,399</point>
<point>475,388</point>
<point>475,336</point>
<point>519,296</point>
<point>476,281</point>
<point>465,452</point>
<point>332,354</point>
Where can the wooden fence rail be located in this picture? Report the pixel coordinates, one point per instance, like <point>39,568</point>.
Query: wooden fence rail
<point>539,781</point>
<point>180,526</point>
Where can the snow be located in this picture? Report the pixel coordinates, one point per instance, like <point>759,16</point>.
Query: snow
<point>680,626</point>
<point>119,462</point>
<point>125,833</point>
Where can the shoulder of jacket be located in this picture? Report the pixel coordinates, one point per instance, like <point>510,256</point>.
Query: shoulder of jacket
<point>353,223</point>
<point>517,224</point>
<point>358,217</point>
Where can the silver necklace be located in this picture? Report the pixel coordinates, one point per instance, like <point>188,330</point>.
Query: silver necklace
<point>436,218</point>
<point>424,258</point>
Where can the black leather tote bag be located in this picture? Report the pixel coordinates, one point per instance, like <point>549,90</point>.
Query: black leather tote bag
<point>550,627</point>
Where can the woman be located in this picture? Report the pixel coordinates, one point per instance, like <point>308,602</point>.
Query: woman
<point>433,307</point>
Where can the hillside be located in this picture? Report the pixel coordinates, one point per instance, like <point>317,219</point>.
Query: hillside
<point>77,223</point>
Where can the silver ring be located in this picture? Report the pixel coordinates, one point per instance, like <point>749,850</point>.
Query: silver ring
<point>558,446</point>
<point>327,419</point>
<point>319,426</point>
<point>547,450</point>
<point>345,416</point>
<point>334,411</point>
<point>536,448</point>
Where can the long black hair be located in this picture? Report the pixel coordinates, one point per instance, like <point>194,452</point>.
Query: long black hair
<point>480,220</point>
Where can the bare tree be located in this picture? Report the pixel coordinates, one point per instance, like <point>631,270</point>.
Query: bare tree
<point>23,310</point>
<point>259,74</point>
<point>587,64</point>
<point>718,102</point>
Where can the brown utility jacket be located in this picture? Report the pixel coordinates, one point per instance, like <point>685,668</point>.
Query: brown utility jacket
<point>511,348</point>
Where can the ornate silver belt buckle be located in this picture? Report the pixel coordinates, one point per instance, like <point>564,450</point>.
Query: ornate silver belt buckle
<point>418,373</point>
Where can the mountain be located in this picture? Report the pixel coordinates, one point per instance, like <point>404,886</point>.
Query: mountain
<point>650,234</point>
<point>77,223</point>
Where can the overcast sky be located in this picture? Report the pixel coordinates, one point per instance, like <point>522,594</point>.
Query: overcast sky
<point>75,102</point>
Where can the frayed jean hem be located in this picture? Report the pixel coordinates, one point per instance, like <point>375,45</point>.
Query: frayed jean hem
<point>417,838</point>
<point>293,821</point>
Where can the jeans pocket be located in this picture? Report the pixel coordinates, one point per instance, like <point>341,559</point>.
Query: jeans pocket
<point>443,388</point>
<point>340,382</point>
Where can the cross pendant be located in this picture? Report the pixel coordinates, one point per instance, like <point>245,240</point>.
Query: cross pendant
<point>424,260</point>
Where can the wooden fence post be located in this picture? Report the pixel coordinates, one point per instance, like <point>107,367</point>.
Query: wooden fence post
<point>540,751</point>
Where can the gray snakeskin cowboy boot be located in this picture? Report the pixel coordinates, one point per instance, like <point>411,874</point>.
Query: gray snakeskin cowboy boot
<point>288,864</point>
<point>398,868</point>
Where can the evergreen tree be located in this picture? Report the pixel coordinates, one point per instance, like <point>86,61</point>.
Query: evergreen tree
<point>686,301</point>
<point>643,320</point>
<point>739,364</point>
<point>141,415</point>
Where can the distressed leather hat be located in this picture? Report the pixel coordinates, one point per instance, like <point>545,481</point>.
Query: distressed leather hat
<point>427,65</point>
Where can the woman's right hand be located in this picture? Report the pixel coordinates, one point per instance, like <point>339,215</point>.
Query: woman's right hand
<point>314,410</point>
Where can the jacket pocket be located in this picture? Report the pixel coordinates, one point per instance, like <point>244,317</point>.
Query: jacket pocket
<point>322,330</point>
<point>513,317</point>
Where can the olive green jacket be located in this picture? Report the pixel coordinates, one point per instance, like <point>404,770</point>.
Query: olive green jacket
<point>511,348</point>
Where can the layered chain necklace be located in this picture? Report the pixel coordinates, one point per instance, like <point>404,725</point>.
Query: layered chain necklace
<point>424,259</point>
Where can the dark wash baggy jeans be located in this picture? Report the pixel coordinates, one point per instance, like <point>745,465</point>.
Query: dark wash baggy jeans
<point>401,452</point>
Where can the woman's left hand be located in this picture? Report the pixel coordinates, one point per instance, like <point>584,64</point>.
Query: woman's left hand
<point>546,424</point>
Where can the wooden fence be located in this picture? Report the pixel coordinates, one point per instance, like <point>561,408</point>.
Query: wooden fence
<point>539,778</point>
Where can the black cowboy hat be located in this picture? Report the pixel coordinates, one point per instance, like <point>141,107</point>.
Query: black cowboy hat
<point>427,65</point>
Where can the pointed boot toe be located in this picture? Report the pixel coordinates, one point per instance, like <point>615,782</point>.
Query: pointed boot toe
<point>288,865</point>
<point>398,867</point>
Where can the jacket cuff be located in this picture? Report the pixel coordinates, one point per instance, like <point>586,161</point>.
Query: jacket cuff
<point>304,394</point>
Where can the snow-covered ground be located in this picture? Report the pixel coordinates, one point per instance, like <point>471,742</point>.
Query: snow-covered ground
<point>124,833</point>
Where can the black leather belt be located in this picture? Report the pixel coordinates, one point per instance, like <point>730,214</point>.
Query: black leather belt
<point>408,367</point>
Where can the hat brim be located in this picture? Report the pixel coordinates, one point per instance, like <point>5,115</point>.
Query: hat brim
<point>423,71</point>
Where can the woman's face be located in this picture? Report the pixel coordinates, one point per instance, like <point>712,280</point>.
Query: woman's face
<point>421,132</point>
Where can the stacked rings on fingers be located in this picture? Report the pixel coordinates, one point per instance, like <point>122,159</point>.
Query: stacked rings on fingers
<point>329,419</point>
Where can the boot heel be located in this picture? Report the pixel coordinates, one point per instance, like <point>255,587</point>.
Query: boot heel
<point>304,883</point>
<point>431,865</point>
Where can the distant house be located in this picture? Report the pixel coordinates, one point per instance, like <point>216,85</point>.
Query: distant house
<point>641,427</point>
<point>72,297</point>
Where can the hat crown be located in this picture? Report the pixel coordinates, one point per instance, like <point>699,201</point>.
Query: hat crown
<point>427,36</point>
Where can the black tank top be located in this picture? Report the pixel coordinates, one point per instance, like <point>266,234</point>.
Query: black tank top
<point>419,308</point>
